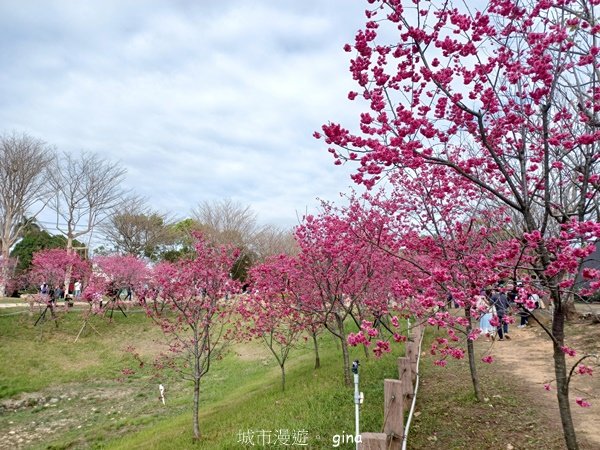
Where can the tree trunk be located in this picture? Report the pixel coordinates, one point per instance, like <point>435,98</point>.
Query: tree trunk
<point>69,271</point>
<point>4,270</point>
<point>560,371</point>
<point>471,353</point>
<point>282,366</point>
<point>345,353</point>
<point>197,376</point>
<point>316,345</point>
<point>196,408</point>
<point>366,349</point>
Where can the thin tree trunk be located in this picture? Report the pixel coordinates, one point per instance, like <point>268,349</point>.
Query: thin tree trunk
<point>4,271</point>
<point>69,271</point>
<point>316,345</point>
<point>560,371</point>
<point>282,366</point>
<point>471,353</point>
<point>197,375</point>
<point>196,407</point>
<point>345,353</point>
<point>366,349</point>
<point>53,315</point>
<point>68,275</point>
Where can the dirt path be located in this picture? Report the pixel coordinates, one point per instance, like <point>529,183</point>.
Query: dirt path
<point>528,356</point>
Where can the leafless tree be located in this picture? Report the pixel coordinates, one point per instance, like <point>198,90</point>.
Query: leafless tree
<point>137,229</point>
<point>227,222</point>
<point>271,240</point>
<point>87,191</point>
<point>24,164</point>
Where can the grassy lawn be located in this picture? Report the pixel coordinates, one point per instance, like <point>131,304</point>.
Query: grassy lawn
<point>241,393</point>
<point>315,404</point>
<point>95,408</point>
<point>5,300</point>
<point>44,355</point>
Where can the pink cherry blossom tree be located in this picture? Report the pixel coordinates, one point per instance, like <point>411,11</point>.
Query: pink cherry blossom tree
<point>507,97</point>
<point>269,311</point>
<point>336,274</point>
<point>443,244</point>
<point>116,275</point>
<point>198,309</point>
<point>50,266</point>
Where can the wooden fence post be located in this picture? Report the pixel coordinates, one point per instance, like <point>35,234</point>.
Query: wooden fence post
<point>411,354</point>
<point>395,393</point>
<point>406,376</point>
<point>393,413</point>
<point>373,441</point>
<point>417,332</point>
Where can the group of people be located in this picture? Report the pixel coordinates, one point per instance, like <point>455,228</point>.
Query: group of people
<point>57,292</point>
<point>494,305</point>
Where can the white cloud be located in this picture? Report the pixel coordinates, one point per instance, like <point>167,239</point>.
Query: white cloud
<point>198,100</point>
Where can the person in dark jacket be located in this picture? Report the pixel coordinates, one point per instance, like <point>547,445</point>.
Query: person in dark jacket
<point>58,293</point>
<point>500,302</point>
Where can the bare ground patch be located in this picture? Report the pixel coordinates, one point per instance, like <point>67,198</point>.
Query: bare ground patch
<point>517,412</point>
<point>80,414</point>
<point>528,358</point>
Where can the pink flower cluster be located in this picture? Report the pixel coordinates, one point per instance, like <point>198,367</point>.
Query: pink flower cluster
<point>584,370</point>
<point>381,347</point>
<point>568,350</point>
<point>474,334</point>
<point>355,339</point>
<point>399,338</point>
<point>582,402</point>
<point>367,327</point>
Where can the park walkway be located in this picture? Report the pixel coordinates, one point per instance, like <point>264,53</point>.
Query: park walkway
<point>528,357</point>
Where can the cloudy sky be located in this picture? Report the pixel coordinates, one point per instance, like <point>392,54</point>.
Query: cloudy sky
<point>198,99</point>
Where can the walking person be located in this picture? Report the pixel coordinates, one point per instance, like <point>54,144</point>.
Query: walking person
<point>77,289</point>
<point>533,303</point>
<point>58,292</point>
<point>500,302</point>
<point>487,311</point>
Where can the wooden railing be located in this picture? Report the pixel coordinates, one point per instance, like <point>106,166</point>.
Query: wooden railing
<point>399,397</point>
